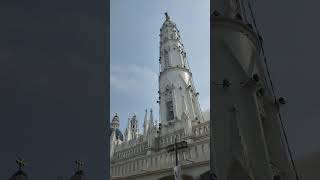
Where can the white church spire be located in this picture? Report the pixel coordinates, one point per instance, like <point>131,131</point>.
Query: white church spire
<point>145,125</point>
<point>151,131</point>
<point>128,132</point>
<point>151,123</point>
<point>134,126</point>
<point>115,122</point>
<point>175,80</point>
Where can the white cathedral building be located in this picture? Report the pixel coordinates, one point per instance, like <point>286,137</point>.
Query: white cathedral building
<point>146,156</point>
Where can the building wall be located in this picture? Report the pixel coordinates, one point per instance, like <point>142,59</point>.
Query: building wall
<point>140,160</point>
<point>190,169</point>
<point>247,137</point>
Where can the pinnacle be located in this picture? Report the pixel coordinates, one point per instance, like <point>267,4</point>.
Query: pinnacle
<point>167,16</point>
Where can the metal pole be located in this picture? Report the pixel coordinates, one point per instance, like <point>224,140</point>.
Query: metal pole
<point>176,148</point>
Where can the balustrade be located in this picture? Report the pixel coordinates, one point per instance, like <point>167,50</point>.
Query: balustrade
<point>162,159</point>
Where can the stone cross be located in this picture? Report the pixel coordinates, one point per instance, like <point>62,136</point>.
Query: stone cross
<point>79,164</point>
<point>167,16</point>
<point>20,162</point>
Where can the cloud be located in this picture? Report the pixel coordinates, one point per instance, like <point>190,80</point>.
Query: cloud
<point>134,88</point>
<point>133,79</point>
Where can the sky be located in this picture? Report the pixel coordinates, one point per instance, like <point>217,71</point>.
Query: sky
<point>134,54</point>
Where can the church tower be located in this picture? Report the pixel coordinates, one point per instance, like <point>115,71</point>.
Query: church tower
<point>116,136</point>
<point>134,127</point>
<point>145,126</point>
<point>115,122</point>
<point>178,98</point>
<point>247,137</point>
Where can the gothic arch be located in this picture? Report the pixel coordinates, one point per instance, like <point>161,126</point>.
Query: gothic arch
<point>237,172</point>
<point>166,58</point>
<point>184,116</point>
<point>186,80</point>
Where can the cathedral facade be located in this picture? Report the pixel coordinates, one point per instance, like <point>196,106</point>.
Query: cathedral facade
<point>145,155</point>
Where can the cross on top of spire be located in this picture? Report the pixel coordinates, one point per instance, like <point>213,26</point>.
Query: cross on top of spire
<point>20,162</point>
<point>79,165</point>
<point>167,16</point>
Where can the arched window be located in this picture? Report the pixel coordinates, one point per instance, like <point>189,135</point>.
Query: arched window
<point>166,58</point>
<point>122,170</point>
<point>170,112</point>
<point>156,161</point>
<point>134,166</point>
<point>203,149</point>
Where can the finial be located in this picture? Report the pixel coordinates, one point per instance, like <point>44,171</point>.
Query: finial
<point>167,16</point>
<point>151,110</point>
<point>116,114</point>
<point>20,162</point>
<point>79,164</point>
<point>146,110</point>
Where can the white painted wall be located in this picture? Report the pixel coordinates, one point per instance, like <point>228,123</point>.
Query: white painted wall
<point>243,134</point>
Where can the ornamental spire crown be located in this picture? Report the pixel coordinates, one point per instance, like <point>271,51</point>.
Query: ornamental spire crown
<point>151,118</point>
<point>115,121</point>
<point>167,16</point>
<point>168,22</point>
<point>145,123</point>
<point>172,52</point>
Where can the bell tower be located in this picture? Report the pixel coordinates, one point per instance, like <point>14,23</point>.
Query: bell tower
<point>178,98</point>
<point>115,122</point>
<point>248,139</point>
<point>134,127</point>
